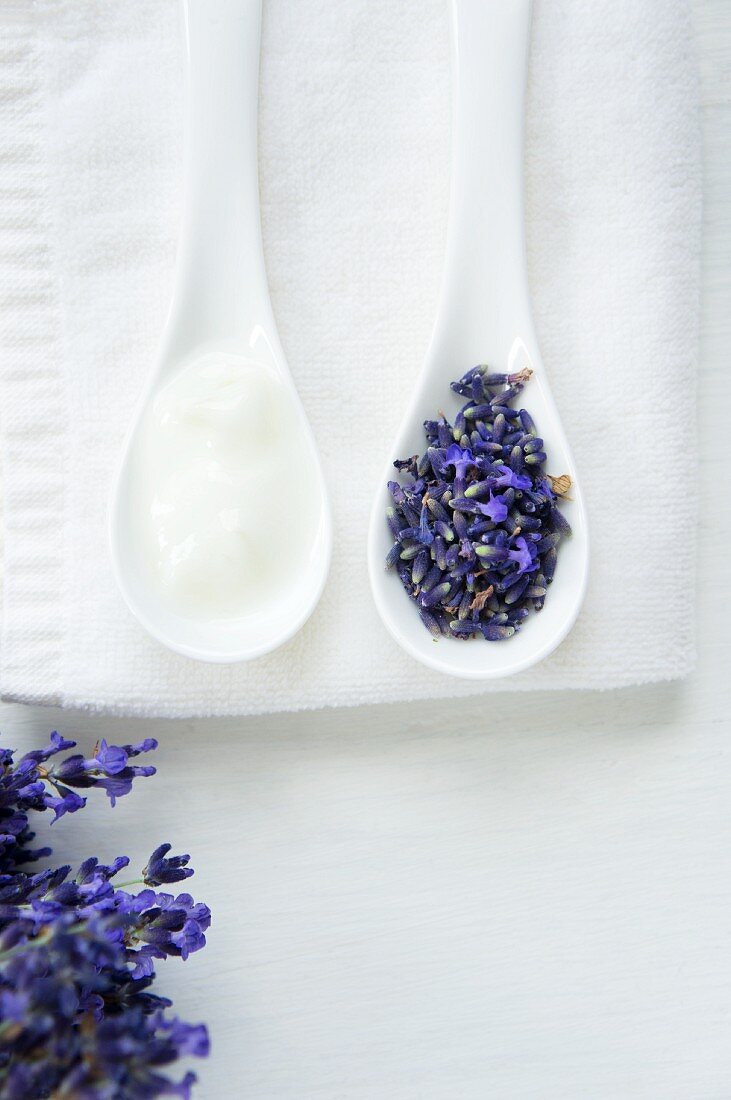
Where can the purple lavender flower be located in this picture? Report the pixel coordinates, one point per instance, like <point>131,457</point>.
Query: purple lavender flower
<point>495,509</point>
<point>522,555</point>
<point>509,479</point>
<point>77,952</point>
<point>461,459</point>
<point>160,870</point>
<point>65,802</point>
<point>108,768</point>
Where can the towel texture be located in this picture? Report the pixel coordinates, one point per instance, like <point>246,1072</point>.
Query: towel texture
<point>354,166</point>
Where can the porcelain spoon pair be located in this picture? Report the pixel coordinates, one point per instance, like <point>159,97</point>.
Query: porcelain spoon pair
<point>222,300</point>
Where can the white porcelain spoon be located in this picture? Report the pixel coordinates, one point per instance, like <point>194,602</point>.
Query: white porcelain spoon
<point>221,305</point>
<point>484,317</point>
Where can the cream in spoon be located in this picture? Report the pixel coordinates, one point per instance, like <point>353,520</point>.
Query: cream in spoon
<point>217,465</point>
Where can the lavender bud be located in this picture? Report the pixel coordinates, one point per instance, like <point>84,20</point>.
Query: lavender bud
<point>430,622</point>
<point>549,564</point>
<point>436,595</point>
<point>477,488</point>
<point>517,590</point>
<point>424,466</point>
<point>444,434</point>
<point>507,395</point>
<point>463,629</point>
<point>460,524</point>
<point>393,555</point>
<point>464,607</point>
<point>490,553</point>
<point>394,523</point>
<point>433,577</point>
<point>528,523</point>
<point>421,566</point>
<point>437,510</point>
<point>548,542</point>
<point>439,552</point>
<point>527,421</point>
<point>497,633</point>
<point>477,412</point>
<point>560,523</point>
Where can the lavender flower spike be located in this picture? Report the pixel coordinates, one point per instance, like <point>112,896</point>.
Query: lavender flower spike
<point>78,953</point>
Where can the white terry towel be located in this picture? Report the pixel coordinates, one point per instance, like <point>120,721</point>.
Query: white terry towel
<point>354,142</point>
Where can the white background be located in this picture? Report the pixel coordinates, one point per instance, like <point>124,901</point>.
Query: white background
<point>510,898</point>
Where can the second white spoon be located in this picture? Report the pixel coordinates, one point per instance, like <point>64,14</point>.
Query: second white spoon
<point>484,317</point>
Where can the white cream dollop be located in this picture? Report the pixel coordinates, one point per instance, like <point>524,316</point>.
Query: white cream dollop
<point>224,492</point>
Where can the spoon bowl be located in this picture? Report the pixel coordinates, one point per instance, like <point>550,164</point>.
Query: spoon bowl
<point>221,307</point>
<point>484,317</point>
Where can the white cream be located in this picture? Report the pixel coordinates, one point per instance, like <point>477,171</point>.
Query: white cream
<point>225,492</point>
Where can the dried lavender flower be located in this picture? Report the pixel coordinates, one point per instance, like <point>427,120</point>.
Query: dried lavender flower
<point>475,521</point>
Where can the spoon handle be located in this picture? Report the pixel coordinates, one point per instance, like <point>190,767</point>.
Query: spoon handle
<point>485,283</point>
<point>221,291</point>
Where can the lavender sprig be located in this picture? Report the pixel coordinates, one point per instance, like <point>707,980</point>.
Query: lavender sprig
<point>475,521</point>
<point>77,951</point>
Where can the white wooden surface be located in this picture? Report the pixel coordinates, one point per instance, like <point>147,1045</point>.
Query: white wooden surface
<point>517,898</point>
